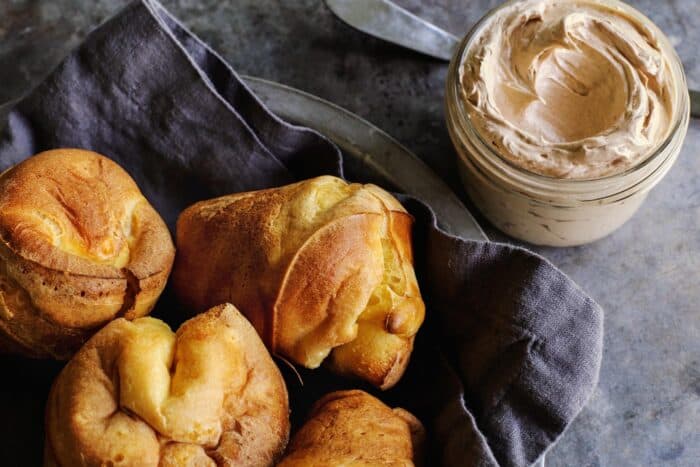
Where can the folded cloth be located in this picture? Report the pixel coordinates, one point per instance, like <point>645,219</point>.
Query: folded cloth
<point>511,349</point>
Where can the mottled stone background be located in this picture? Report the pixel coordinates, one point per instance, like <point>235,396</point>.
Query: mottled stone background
<point>646,411</point>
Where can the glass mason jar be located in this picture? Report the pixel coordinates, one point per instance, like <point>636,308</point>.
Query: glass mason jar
<point>552,211</point>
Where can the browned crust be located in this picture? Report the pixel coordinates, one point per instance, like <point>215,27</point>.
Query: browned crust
<point>86,425</point>
<point>319,287</point>
<point>355,428</point>
<point>62,220</point>
<point>386,372</point>
<point>301,262</point>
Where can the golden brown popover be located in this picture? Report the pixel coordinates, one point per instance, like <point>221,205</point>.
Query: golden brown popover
<point>354,429</point>
<point>137,394</point>
<point>79,246</point>
<point>323,269</point>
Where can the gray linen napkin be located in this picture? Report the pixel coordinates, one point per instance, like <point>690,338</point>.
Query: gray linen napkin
<point>511,348</point>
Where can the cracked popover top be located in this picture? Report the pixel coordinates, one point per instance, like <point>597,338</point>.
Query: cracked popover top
<point>139,394</point>
<point>322,268</point>
<point>79,246</point>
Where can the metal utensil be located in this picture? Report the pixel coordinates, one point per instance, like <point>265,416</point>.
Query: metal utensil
<point>388,21</point>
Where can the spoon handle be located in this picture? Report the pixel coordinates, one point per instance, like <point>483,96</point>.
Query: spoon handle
<point>388,21</point>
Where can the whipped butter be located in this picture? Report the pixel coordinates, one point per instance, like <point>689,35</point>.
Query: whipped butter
<point>571,89</point>
<point>565,114</point>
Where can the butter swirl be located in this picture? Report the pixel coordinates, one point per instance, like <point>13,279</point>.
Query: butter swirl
<point>573,89</point>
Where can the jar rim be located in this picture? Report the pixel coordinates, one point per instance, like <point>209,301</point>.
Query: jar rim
<point>681,107</point>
